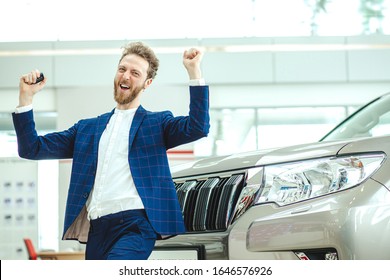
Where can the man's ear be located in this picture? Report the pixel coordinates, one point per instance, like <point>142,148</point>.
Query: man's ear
<point>148,82</point>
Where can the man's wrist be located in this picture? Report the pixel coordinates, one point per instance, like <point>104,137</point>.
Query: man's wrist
<point>23,109</point>
<point>25,100</point>
<point>197,82</point>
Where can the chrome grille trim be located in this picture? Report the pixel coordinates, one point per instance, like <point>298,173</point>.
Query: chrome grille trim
<point>228,197</point>
<point>183,189</point>
<point>209,204</point>
<point>202,204</point>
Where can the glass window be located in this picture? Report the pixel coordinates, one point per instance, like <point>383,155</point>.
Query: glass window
<point>289,126</point>
<point>372,119</point>
<point>383,126</point>
<point>247,129</point>
<point>229,130</point>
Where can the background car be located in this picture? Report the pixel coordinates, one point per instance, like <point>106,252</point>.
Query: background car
<point>324,200</point>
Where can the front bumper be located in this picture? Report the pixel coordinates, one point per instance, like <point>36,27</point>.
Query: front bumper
<point>354,223</point>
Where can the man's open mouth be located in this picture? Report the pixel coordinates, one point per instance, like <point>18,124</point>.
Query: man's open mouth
<point>124,87</point>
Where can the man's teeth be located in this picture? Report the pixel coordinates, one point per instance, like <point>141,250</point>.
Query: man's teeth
<point>124,86</point>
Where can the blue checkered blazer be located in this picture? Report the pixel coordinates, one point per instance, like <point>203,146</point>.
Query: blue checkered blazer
<point>151,134</point>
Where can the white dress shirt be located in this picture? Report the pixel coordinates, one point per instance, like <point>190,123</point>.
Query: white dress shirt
<point>114,188</point>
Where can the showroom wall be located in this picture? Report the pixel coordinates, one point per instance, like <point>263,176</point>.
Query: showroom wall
<point>263,70</point>
<point>241,72</point>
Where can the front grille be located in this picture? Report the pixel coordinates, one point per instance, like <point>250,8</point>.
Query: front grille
<point>209,204</point>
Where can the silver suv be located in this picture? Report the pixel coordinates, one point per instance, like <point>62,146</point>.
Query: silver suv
<point>325,200</point>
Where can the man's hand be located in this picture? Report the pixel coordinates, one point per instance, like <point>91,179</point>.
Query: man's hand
<point>28,88</point>
<point>191,60</point>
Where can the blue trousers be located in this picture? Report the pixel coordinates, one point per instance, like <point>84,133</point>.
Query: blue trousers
<point>126,235</point>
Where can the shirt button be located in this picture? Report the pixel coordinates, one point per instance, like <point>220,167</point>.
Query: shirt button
<point>85,195</point>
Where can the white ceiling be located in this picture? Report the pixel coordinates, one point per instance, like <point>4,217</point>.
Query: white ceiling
<point>75,20</point>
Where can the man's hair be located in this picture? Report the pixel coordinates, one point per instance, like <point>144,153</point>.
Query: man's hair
<point>146,53</point>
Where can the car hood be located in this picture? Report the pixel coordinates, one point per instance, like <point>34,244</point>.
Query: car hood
<point>257,158</point>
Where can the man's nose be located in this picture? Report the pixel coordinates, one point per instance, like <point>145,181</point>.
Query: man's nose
<point>126,75</point>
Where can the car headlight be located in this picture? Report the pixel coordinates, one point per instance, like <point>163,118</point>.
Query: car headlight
<point>293,182</point>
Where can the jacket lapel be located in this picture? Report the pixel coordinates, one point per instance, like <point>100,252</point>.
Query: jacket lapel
<point>138,118</point>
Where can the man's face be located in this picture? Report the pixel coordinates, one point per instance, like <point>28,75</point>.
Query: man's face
<point>130,79</point>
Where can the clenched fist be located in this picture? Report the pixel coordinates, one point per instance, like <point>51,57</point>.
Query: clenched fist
<point>28,87</point>
<point>191,60</point>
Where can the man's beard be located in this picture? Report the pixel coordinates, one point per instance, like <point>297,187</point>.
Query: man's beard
<point>124,99</point>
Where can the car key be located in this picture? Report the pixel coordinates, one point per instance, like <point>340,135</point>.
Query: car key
<point>40,78</point>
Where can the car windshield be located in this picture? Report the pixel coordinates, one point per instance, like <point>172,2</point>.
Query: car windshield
<point>372,119</point>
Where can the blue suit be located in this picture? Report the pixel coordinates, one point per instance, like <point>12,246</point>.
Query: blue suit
<point>150,135</point>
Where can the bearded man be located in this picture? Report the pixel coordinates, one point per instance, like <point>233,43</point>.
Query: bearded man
<point>121,196</point>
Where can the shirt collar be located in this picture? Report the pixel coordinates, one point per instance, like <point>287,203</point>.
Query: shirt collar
<point>126,112</point>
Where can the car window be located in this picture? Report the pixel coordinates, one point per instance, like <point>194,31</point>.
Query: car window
<point>372,119</point>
